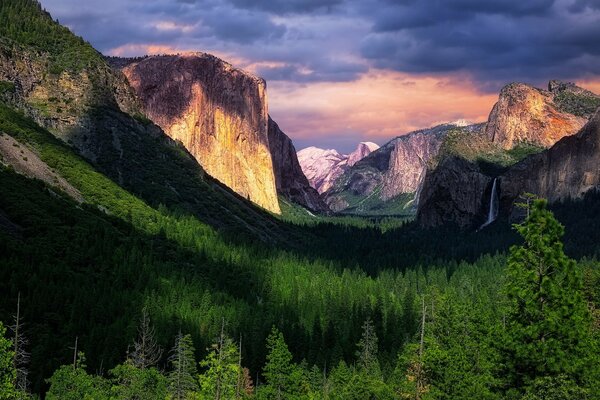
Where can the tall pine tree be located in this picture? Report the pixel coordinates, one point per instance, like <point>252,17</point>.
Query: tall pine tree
<point>548,326</point>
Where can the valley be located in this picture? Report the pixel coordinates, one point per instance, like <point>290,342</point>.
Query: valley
<point>162,238</point>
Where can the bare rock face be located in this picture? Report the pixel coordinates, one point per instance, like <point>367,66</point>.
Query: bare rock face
<point>363,150</point>
<point>524,114</point>
<point>218,112</point>
<point>289,178</point>
<point>408,162</point>
<point>455,192</point>
<point>321,167</point>
<point>568,169</point>
<point>397,168</point>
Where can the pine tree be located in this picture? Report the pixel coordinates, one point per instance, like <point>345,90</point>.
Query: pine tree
<point>146,351</point>
<point>221,377</point>
<point>279,370</point>
<point>367,352</point>
<point>548,323</point>
<point>182,378</point>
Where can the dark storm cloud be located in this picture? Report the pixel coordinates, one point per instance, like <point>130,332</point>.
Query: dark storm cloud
<point>330,71</point>
<point>582,5</point>
<point>492,40</point>
<point>241,26</point>
<point>288,6</point>
<point>306,40</point>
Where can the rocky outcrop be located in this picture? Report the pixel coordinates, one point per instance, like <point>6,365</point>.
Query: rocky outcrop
<point>455,191</point>
<point>218,112</point>
<point>324,167</point>
<point>524,114</point>
<point>362,150</point>
<point>62,101</point>
<point>568,169</point>
<point>548,118</point>
<point>394,169</point>
<point>289,178</point>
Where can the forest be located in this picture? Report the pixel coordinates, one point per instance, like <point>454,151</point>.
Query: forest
<point>356,310</point>
<point>143,292</point>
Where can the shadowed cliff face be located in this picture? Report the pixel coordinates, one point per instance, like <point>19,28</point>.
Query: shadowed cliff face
<point>395,169</point>
<point>524,114</point>
<point>455,191</point>
<point>568,169</point>
<point>289,178</point>
<point>220,115</point>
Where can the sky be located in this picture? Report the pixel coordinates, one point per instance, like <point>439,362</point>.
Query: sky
<point>344,71</point>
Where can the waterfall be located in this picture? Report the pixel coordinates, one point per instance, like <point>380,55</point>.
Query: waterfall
<point>494,206</point>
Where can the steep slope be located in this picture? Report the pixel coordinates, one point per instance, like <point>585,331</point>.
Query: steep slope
<point>385,181</point>
<point>567,170</point>
<point>289,178</point>
<point>323,167</point>
<point>362,150</point>
<point>87,104</point>
<point>524,114</point>
<point>218,112</point>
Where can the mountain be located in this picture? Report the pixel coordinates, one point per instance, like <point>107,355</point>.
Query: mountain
<point>386,180</point>
<point>567,170</point>
<point>218,112</point>
<point>290,181</point>
<point>362,150</point>
<point>67,87</point>
<point>523,123</point>
<point>323,167</point>
<point>525,114</point>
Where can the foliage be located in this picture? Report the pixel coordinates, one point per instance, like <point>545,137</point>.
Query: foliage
<point>8,374</point>
<point>548,331</point>
<point>130,382</point>
<point>27,23</point>
<point>72,382</point>
<point>580,104</point>
<point>221,378</point>
<point>182,378</point>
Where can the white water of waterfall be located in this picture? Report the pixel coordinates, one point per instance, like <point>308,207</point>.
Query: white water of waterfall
<point>494,206</point>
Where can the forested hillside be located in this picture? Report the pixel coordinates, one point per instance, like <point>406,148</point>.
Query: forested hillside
<point>128,273</point>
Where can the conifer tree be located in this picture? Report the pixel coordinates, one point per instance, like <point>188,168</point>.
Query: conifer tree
<point>221,377</point>
<point>279,370</point>
<point>146,351</point>
<point>182,378</point>
<point>367,352</point>
<point>548,323</point>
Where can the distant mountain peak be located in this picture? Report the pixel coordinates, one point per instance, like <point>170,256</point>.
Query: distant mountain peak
<point>323,166</point>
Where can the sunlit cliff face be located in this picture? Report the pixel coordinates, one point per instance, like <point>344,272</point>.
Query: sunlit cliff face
<point>524,114</point>
<point>220,115</point>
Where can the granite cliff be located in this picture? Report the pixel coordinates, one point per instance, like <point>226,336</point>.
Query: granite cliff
<point>218,112</point>
<point>525,114</point>
<point>523,123</point>
<point>387,179</point>
<point>289,178</point>
<point>322,167</point>
<point>568,169</point>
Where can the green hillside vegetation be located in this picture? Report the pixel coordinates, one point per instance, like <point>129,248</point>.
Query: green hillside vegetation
<point>164,284</point>
<point>477,148</point>
<point>27,23</point>
<point>582,105</point>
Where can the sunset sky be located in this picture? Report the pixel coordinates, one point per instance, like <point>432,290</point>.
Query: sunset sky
<point>340,72</point>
